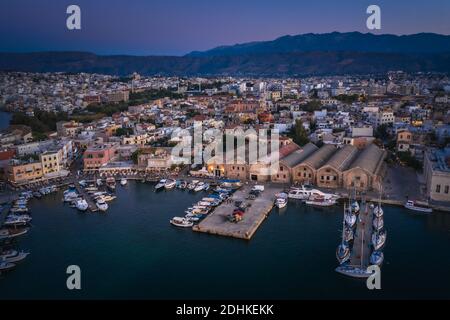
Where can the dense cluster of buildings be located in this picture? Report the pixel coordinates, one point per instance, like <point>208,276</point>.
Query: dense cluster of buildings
<point>349,121</point>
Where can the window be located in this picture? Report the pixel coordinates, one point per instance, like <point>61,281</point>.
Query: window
<point>446,189</point>
<point>281,168</point>
<point>438,188</point>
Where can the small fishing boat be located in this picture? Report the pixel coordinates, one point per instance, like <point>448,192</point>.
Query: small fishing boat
<point>376,258</point>
<point>99,182</point>
<point>81,205</point>
<point>411,205</point>
<point>101,205</point>
<point>160,185</point>
<point>281,200</point>
<point>111,183</point>
<point>123,182</point>
<point>181,222</point>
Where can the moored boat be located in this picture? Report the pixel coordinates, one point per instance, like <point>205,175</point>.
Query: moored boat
<point>101,205</point>
<point>376,258</point>
<point>12,233</point>
<point>160,185</point>
<point>343,252</point>
<point>378,239</point>
<point>81,205</point>
<point>170,184</point>
<point>378,223</point>
<point>123,182</point>
<point>181,222</point>
<point>281,200</point>
<point>353,271</point>
<point>320,201</point>
<point>111,183</point>
<point>411,205</point>
<point>6,266</point>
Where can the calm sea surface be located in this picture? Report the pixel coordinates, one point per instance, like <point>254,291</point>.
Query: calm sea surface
<point>4,119</point>
<point>133,252</point>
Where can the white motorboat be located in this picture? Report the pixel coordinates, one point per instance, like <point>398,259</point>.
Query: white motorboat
<point>170,184</point>
<point>99,182</point>
<point>102,205</point>
<point>111,183</point>
<point>199,187</point>
<point>82,204</point>
<point>160,184</point>
<point>305,192</point>
<point>192,185</point>
<point>411,205</point>
<point>13,256</point>
<point>181,222</point>
<point>378,223</point>
<point>123,182</point>
<point>378,239</point>
<point>281,200</point>
<point>320,201</point>
<point>376,258</point>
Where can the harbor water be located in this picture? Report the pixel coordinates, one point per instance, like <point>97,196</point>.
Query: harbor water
<point>133,252</point>
<point>5,117</point>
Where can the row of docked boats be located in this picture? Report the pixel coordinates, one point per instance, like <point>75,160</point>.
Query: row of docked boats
<point>199,210</point>
<point>194,185</point>
<point>312,197</point>
<point>378,240</point>
<point>15,225</point>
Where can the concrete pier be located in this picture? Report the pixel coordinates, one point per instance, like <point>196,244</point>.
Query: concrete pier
<point>217,222</point>
<point>360,256</point>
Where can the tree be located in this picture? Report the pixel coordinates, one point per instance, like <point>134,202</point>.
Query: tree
<point>300,135</point>
<point>135,156</point>
<point>123,132</point>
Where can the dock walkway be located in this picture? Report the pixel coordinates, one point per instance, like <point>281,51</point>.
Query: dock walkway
<point>360,256</point>
<point>217,222</point>
<point>87,197</point>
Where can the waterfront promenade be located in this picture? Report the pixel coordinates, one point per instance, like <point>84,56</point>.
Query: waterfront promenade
<point>217,222</point>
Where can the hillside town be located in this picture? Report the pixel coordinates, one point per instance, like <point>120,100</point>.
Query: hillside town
<point>337,132</point>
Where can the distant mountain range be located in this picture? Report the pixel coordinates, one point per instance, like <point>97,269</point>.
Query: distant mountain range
<point>308,54</point>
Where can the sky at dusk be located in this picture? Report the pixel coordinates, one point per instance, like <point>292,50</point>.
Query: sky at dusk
<point>176,27</point>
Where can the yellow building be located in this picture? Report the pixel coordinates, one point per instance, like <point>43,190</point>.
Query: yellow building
<point>20,173</point>
<point>51,162</point>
